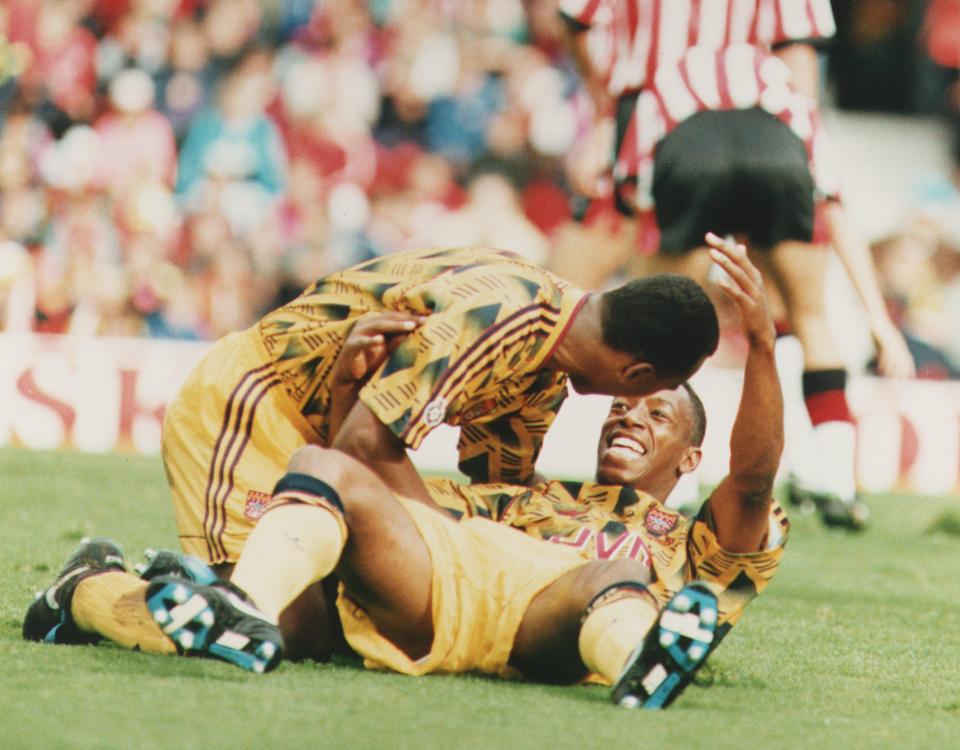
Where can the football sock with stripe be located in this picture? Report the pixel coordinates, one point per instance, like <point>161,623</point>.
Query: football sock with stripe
<point>615,623</point>
<point>297,542</point>
<point>833,430</point>
<point>112,604</point>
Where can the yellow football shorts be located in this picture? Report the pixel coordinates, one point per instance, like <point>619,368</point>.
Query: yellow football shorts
<point>484,577</point>
<point>227,437</point>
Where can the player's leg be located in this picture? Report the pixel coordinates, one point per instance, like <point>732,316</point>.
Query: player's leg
<point>694,263</point>
<point>799,270</point>
<point>777,188</point>
<point>309,624</point>
<point>96,570</point>
<point>593,250</point>
<point>557,643</point>
<point>665,661</point>
<point>330,514</point>
<point>799,459</point>
<point>601,618</point>
<point>598,241</point>
<point>94,597</point>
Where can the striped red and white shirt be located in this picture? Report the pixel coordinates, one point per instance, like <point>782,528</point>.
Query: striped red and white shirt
<point>631,38</point>
<point>742,76</point>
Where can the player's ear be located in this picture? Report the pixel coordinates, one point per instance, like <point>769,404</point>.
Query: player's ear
<point>637,372</point>
<point>691,459</point>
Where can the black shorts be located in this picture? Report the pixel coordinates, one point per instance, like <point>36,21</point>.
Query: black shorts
<point>731,172</point>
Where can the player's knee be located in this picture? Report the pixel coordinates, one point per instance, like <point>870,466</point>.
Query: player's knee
<point>611,572</point>
<point>305,459</point>
<point>355,484</point>
<point>333,467</point>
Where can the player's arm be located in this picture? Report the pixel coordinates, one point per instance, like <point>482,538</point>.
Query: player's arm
<point>801,58</point>
<point>354,429</point>
<point>893,355</point>
<point>801,54</point>
<point>740,504</point>
<point>366,438</point>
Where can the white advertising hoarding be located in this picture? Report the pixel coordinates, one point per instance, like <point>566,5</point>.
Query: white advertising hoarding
<point>106,394</point>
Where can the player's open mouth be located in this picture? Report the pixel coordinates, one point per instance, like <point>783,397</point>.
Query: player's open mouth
<point>626,447</point>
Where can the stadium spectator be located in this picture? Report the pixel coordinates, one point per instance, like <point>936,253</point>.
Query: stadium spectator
<point>186,83</point>
<point>136,142</point>
<point>491,216</point>
<point>59,76</point>
<point>919,279</point>
<point>23,200</point>
<point>231,28</point>
<point>233,157</point>
<point>328,106</point>
<point>80,244</point>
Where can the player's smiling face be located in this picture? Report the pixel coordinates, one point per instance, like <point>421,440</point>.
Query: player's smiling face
<point>645,440</point>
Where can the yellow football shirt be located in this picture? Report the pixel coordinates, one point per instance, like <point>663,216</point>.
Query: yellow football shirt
<point>493,320</point>
<point>610,521</point>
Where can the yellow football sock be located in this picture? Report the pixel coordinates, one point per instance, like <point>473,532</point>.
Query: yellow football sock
<point>291,547</point>
<point>113,605</point>
<point>614,628</point>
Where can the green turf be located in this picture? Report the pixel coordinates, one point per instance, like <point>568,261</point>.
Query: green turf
<point>855,645</point>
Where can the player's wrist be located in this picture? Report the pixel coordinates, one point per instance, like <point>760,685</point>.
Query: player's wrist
<point>345,385</point>
<point>763,341</point>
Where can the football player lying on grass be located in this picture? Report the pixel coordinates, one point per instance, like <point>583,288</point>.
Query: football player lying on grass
<point>419,593</point>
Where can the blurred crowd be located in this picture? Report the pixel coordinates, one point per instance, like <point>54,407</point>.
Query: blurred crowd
<point>919,270</point>
<point>175,168</point>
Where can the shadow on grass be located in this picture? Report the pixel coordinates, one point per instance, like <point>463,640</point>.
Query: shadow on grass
<point>720,675</point>
<point>946,524</point>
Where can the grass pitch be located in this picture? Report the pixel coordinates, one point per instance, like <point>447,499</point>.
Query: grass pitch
<point>856,644</point>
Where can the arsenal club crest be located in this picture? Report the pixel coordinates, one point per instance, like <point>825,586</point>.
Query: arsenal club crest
<point>435,412</point>
<point>256,504</point>
<point>659,521</point>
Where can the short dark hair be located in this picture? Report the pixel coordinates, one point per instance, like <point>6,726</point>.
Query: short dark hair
<point>666,320</point>
<point>699,415</point>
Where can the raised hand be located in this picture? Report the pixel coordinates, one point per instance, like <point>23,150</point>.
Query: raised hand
<point>743,284</point>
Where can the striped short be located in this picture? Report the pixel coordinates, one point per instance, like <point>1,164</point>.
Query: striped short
<point>227,438</point>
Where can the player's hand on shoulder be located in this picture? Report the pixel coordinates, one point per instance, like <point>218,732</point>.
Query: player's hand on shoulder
<point>370,342</point>
<point>743,284</point>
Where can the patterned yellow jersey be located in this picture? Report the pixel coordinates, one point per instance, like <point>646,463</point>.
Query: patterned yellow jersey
<point>493,320</point>
<point>611,521</point>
